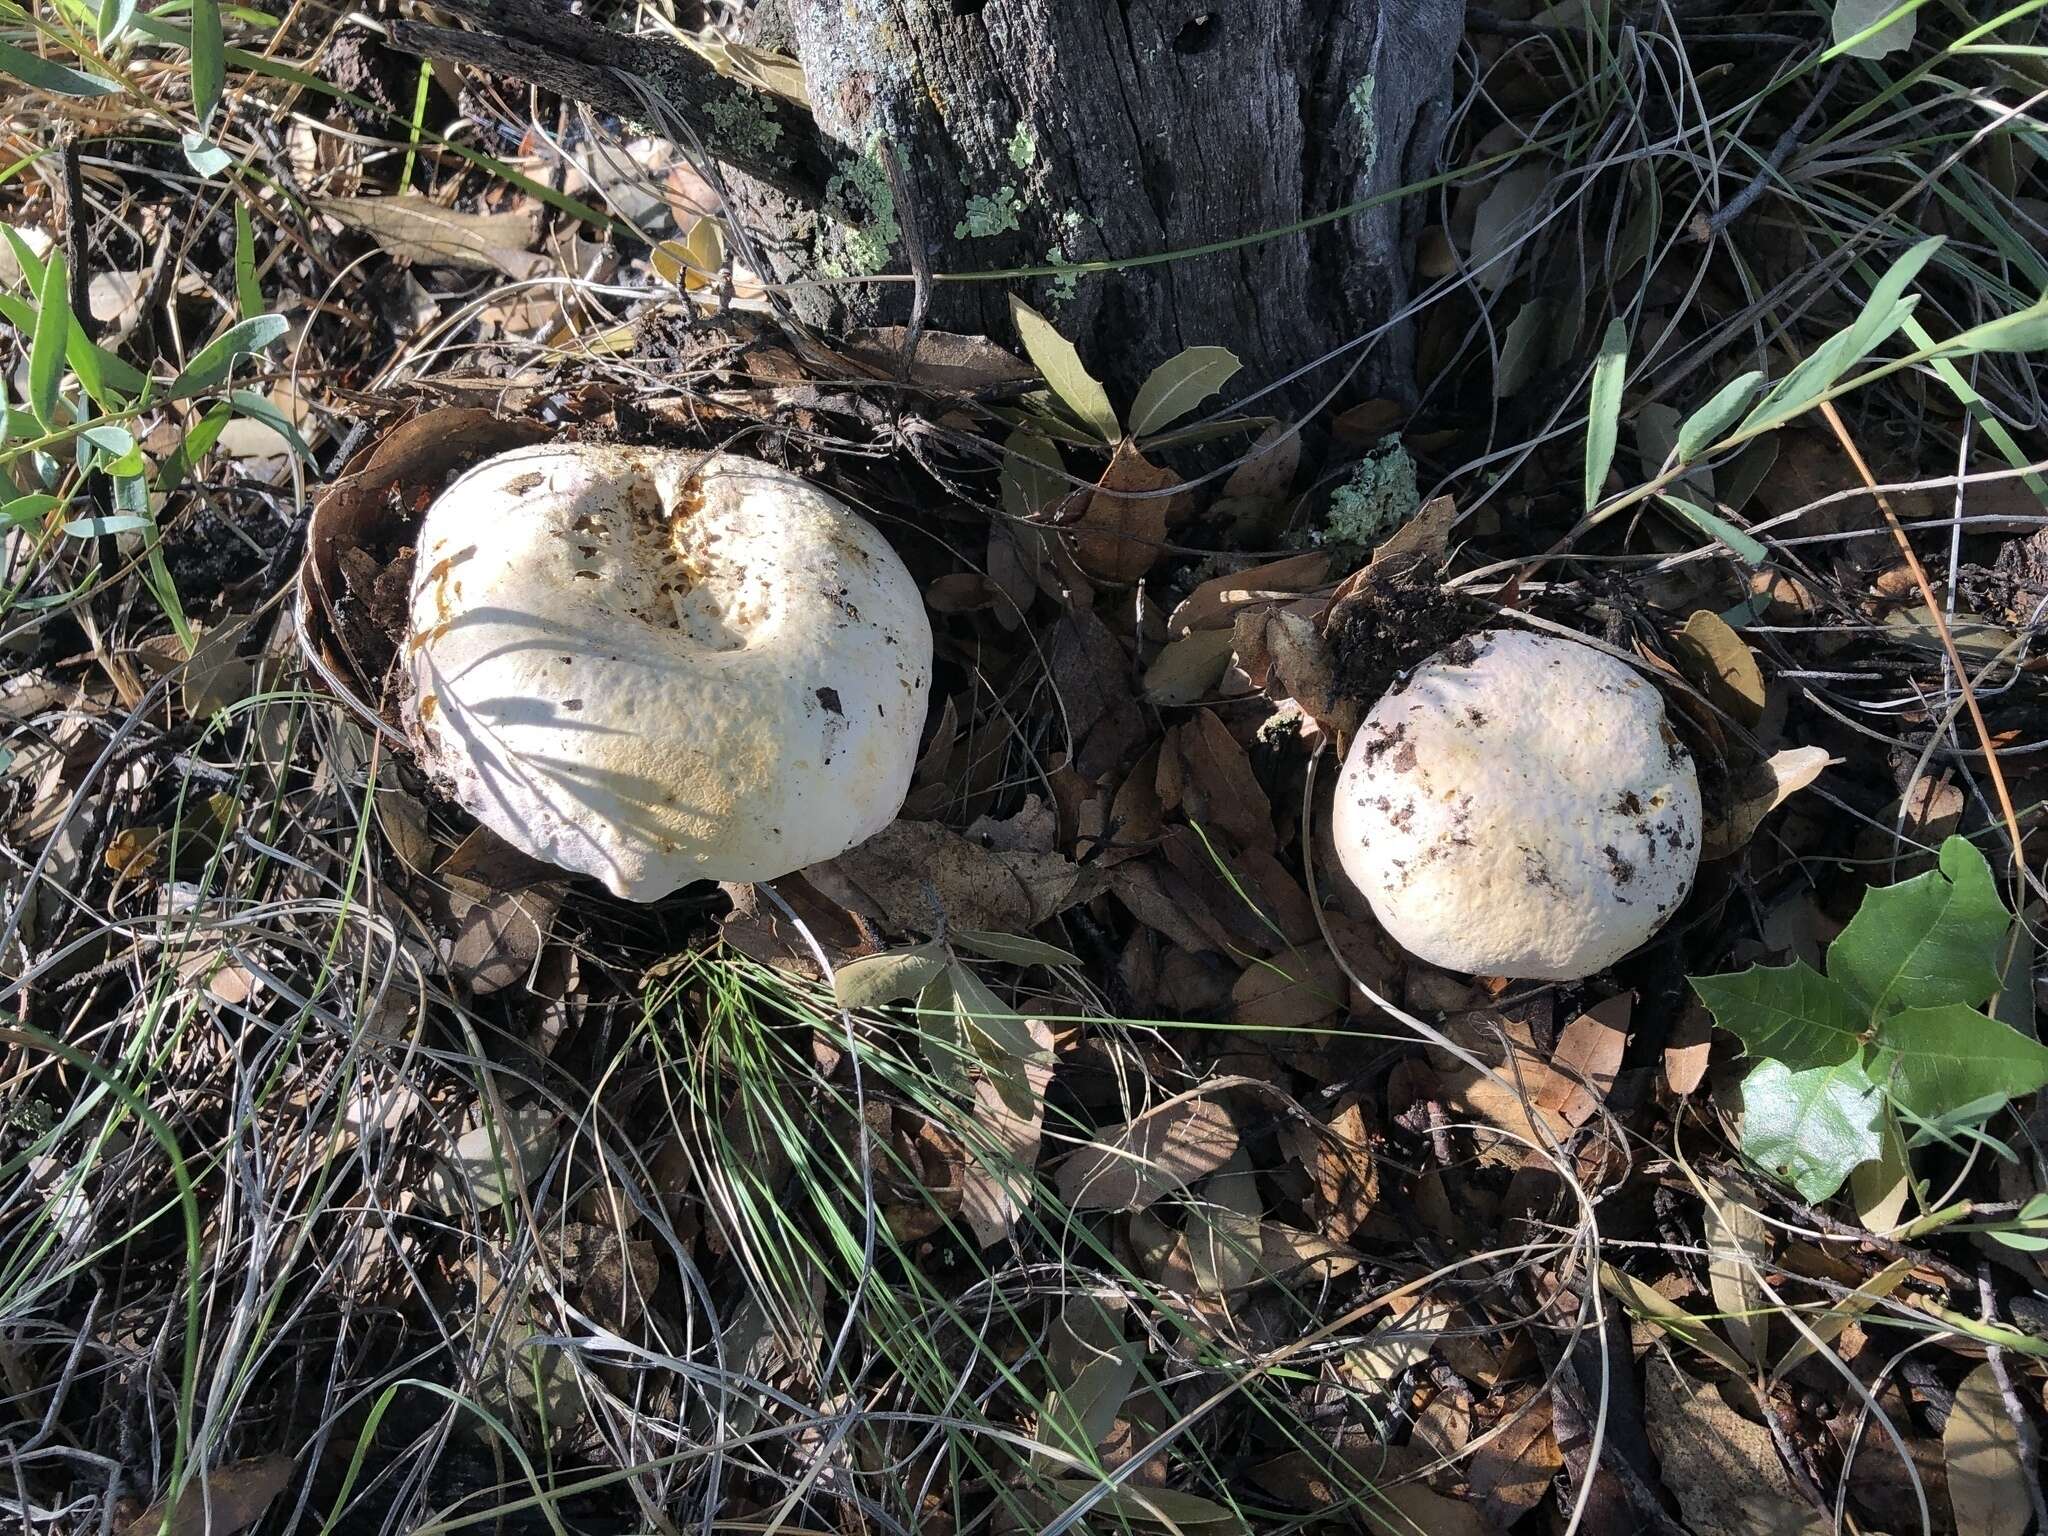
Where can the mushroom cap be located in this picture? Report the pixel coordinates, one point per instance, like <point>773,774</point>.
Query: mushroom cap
<point>654,666</point>
<point>1519,807</point>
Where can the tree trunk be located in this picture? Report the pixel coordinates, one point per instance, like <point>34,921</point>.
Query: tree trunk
<point>951,137</point>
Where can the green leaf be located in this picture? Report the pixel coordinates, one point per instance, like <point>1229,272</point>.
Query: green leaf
<point>1054,357</point>
<point>2024,330</point>
<point>1926,941</point>
<point>203,155</point>
<point>114,18</point>
<point>1716,527</point>
<point>1034,480</point>
<point>46,75</point>
<point>24,257</point>
<point>112,439</point>
<point>1790,1014</point>
<point>1810,1128</point>
<point>1705,425</point>
<point>1935,1061</point>
<point>256,406</point>
<point>1881,314</point>
<point>218,356</point>
<point>1888,308</point>
<point>99,527</point>
<point>1856,16</point>
<point>944,1042</point>
<point>23,510</point>
<point>112,381</point>
<point>1000,1037</point>
<point>191,448</point>
<point>209,59</point>
<point>1177,386</point>
<point>1011,948</point>
<point>891,977</point>
<point>1603,418</point>
<point>46,349</point>
<point>248,293</point>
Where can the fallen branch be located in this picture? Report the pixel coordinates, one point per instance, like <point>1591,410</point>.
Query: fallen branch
<point>757,133</point>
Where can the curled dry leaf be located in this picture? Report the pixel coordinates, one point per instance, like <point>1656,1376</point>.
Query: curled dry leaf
<point>1424,539</point>
<point>1738,1246</point>
<point>1760,792</point>
<point>1160,1152</point>
<point>1214,604</point>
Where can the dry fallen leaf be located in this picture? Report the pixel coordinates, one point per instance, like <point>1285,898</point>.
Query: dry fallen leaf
<point>1160,1152</point>
<point>422,230</point>
<point>997,1180</point>
<point>1723,1470</point>
<point>1214,604</point>
<point>1738,1247</point>
<point>915,875</point>
<point>1987,1476</point>
<point>1511,1472</point>
<point>219,1501</point>
<point>1587,1057</point>
<point>1294,990</point>
<point>1761,792</point>
<point>1713,656</point>
<point>1121,523</point>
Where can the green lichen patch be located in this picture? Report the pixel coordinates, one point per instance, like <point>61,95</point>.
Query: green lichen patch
<point>744,122</point>
<point>1360,98</point>
<point>859,195</point>
<point>1023,147</point>
<point>1379,497</point>
<point>987,216</point>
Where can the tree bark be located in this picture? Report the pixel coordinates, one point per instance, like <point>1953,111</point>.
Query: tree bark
<point>993,135</point>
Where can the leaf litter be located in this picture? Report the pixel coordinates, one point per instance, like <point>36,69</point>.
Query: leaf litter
<point>1094,1033</point>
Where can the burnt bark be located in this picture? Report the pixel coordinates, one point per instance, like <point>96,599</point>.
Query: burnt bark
<point>1004,134</point>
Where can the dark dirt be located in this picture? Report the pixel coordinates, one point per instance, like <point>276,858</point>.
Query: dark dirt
<point>1389,626</point>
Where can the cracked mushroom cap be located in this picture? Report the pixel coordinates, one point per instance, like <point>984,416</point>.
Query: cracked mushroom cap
<point>1519,807</point>
<point>654,667</point>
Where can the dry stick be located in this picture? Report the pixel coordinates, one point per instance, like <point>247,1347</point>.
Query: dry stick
<point>1948,644</point>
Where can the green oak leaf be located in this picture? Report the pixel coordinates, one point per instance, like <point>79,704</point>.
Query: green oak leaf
<point>1788,1013</point>
<point>1925,942</point>
<point>1811,1128</point>
<point>1934,1060</point>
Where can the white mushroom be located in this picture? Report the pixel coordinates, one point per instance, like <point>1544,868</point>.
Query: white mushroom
<point>1519,807</point>
<point>653,667</point>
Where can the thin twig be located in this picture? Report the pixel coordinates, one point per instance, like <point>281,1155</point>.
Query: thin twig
<point>1935,616</point>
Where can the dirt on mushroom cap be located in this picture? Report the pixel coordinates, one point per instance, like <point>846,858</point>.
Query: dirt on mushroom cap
<point>1520,807</point>
<point>655,666</point>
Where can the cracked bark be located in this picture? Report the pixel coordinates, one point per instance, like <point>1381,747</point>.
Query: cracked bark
<point>1044,132</point>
